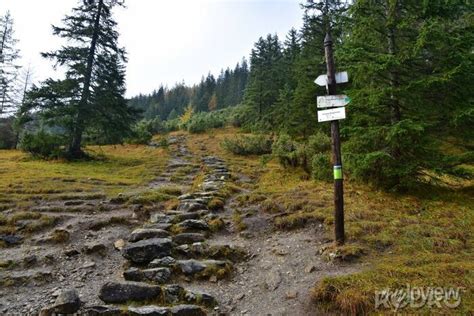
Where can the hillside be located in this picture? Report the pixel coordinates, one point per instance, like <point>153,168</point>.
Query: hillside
<point>263,239</point>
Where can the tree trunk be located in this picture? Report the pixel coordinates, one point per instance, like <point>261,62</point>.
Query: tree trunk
<point>76,140</point>
<point>392,16</point>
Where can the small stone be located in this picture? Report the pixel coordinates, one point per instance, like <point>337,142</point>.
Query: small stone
<point>88,264</point>
<point>95,248</point>
<point>291,295</point>
<point>119,244</point>
<point>310,268</point>
<point>67,302</point>
<point>273,280</point>
<point>213,279</point>
<point>239,297</point>
<point>70,252</point>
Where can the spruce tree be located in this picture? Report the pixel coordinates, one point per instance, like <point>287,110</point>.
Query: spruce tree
<point>8,67</point>
<point>91,97</point>
<point>410,63</point>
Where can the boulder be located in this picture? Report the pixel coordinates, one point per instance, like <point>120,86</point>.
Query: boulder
<point>121,292</point>
<point>146,250</point>
<point>147,233</point>
<point>67,302</point>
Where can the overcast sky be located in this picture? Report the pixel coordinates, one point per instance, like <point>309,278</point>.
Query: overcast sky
<point>167,41</point>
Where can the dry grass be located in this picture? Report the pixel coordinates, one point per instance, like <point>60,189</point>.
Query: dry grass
<point>116,168</point>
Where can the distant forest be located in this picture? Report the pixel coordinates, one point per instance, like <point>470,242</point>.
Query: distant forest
<point>209,95</point>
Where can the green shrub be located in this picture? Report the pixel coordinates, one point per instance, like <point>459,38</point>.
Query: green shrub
<point>312,155</point>
<point>321,167</point>
<point>171,125</point>
<point>140,134</point>
<point>248,145</point>
<point>43,145</point>
<point>286,151</point>
<point>203,121</point>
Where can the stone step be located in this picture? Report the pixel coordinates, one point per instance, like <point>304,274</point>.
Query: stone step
<point>203,268</point>
<point>125,292</point>
<point>188,238</point>
<point>191,206</point>
<point>144,251</point>
<point>178,310</point>
<point>192,225</point>
<point>203,250</point>
<point>147,233</point>
<point>155,275</point>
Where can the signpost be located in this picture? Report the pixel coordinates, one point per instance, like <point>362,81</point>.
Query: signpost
<point>332,114</point>
<point>332,101</point>
<point>337,112</point>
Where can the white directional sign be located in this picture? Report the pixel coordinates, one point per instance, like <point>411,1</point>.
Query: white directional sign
<point>341,77</point>
<point>332,114</point>
<point>332,101</point>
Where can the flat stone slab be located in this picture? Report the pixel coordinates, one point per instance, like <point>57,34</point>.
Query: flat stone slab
<point>149,310</point>
<point>162,262</point>
<point>147,233</point>
<point>146,250</point>
<point>121,292</point>
<point>191,206</point>
<point>188,238</point>
<point>187,310</point>
<point>157,275</point>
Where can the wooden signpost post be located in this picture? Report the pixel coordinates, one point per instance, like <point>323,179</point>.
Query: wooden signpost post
<point>336,112</point>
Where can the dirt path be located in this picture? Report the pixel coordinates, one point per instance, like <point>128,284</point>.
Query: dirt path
<point>191,260</point>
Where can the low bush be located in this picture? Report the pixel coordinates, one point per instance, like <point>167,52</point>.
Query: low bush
<point>321,167</point>
<point>43,145</point>
<point>141,134</point>
<point>311,155</point>
<point>248,145</point>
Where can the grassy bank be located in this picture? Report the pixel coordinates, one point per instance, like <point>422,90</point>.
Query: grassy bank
<point>112,169</point>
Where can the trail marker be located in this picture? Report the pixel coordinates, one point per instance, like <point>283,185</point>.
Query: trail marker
<point>341,77</point>
<point>332,101</point>
<point>332,114</point>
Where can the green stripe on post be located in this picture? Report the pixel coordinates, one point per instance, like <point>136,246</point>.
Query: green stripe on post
<point>337,172</point>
